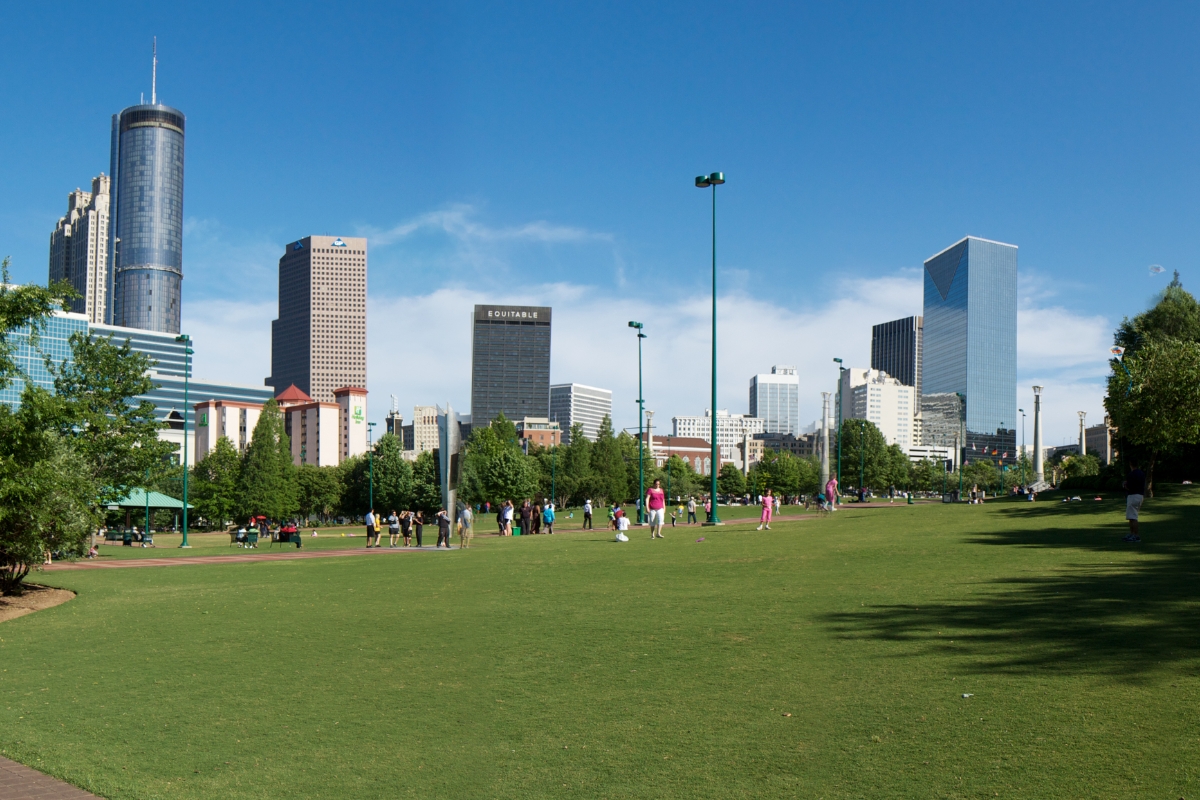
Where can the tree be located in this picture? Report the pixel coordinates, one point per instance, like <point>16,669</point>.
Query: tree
<point>730,481</point>
<point>683,479</point>
<point>862,437</point>
<point>118,440</point>
<point>924,474</point>
<point>267,485</point>
<point>214,484</point>
<point>393,479</point>
<point>1081,466</point>
<point>574,468</point>
<point>1156,407</point>
<point>608,467</point>
<point>426,483</point>
<point>318,491</point>
<point>47,494</point>
<point>494,468</point>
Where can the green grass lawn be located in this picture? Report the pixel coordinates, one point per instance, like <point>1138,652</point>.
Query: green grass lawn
<point>571,666</point>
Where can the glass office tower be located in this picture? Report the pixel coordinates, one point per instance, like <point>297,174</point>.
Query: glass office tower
<point>970,341</point>
<point>775,398</point>
<point>510,363</point>
<point>146,230</point>
<point>896,350</point>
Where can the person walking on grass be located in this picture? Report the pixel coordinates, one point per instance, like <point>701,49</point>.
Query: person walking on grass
<point>831,489</point>
<point>548,515</point>
<point>1135,492</point>
<point>656,504</point>
<point>370,520</point>
<point>691,511</point>
<point>526,518</point>
<point>465,518</point>
<point>587,515</point>
<point>378,529</point>
<point>443,523</point>
<point>768,506</point>
<point>393,528</point>
<point>419,524</point>
<point>508,513</point>
<point>536,518</point>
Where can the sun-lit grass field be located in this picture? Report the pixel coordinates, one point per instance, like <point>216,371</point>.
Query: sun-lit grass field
<point>1004,650</point>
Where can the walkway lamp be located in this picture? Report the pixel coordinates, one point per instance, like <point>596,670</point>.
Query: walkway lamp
<point>370,468</point>
<point>714,180</point>
<point>841,370</point>
<point>641,401</point>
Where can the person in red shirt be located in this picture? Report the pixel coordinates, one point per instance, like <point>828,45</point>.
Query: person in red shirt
<point>656,504</point>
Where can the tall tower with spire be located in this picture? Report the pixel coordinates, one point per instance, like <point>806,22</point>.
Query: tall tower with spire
<point>146,232</point>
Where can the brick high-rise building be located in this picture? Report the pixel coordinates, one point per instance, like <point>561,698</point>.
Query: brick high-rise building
<point>319,342</point>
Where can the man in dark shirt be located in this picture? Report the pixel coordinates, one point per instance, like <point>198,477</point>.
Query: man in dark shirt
<point>1135,489</point>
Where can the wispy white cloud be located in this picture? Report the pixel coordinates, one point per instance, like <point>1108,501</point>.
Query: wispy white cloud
<point>232,339</point>
<point>459,222</point>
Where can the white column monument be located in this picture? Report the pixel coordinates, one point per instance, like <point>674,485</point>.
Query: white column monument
<point>1039,474</point>
<point>824,439</point>
<point>1082,434</point>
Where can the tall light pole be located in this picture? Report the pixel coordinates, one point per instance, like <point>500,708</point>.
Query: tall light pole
<point>1039,473</point>
<point>370,468</point>
<point>1022,456</point>
<point>187,369</point>
<point>714,180</point>
<point>641,401</point>
<point>862,457</point>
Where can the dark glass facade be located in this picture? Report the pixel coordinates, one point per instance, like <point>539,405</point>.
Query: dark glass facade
<point>970,340</point>
<point>896,350</point>
<point>146,246</point>
<point>510,363</point>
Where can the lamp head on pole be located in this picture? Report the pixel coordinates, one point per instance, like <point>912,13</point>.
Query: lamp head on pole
<point>1037,391</point>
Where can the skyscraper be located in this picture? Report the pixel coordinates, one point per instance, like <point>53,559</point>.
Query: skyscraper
<point>146,234</point>
<point>775,398</point>
<point>577,404</point>
<point>79,249</point>
<point>970,340</point>
<point>896,350</point>
<point>319,342</point>
<point>510,363</point>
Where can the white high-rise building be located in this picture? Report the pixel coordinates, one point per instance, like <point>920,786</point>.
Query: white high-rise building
<point>732,429</point>
<point>79,249</point>
<point>421,436</point>
<point>575,403</point>
<point>775,399</point>
<point>879,398</point>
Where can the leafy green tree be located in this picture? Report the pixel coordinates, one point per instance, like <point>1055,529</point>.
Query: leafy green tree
<point>981,473</point>
<point>574,468</point>
<point>683,479</point>
<point>267,484</point>
<point>730,481</point>
<point>393,479</point>
<point>427,486</point>
<point>1156,408</point>
<point>610,480</point>
<point>26,306</point>
<point>47,493</point>
<point>1081,466</point>
<point>626,484</point>
<point>214,484</point>
<point>494,468</point>
<point>924,474</point>
<point>1176,316</point>
<point>877,467</point>
<point>318,490</point>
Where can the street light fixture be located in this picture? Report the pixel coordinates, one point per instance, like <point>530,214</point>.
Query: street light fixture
<point>186,341</point>
<point>641,401</point>
<point>1021,457</point>
<point>714,180</point>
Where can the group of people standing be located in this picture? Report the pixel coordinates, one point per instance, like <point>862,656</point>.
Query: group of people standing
<point>405,525</point>
<point>532,518</point>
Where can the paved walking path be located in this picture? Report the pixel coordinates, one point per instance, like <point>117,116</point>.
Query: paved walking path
<point>19,782</point>
<point>287,555</point>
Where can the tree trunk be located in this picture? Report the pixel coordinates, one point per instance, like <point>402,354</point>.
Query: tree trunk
<point>11,575</point>
<point>1150,473</point>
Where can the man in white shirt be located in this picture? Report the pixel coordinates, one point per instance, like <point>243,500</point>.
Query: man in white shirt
<point>465,518</point>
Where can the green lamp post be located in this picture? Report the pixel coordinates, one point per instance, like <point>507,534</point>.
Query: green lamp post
<point>841,369</point>
<point>862,457</point>
<point>641,435</point>
<point>714,180</point>
<point>962,422</point>
<point>186,340</point>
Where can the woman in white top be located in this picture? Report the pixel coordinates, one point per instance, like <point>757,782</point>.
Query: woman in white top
<point>508,517</point>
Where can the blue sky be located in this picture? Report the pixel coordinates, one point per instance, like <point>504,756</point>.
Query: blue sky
<point>542,153</point>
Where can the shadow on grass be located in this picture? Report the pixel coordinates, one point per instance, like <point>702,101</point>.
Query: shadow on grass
<point>1134,616</point>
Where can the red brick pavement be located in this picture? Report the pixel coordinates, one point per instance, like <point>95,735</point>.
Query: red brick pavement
<point>19,782</point>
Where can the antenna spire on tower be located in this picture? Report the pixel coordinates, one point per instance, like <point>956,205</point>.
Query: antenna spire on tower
<point>154,75</point>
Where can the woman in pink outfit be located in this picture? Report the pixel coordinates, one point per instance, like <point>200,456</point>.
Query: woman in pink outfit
<point>768,504</point>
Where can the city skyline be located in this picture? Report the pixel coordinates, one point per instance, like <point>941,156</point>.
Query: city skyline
<point>461,231</point>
